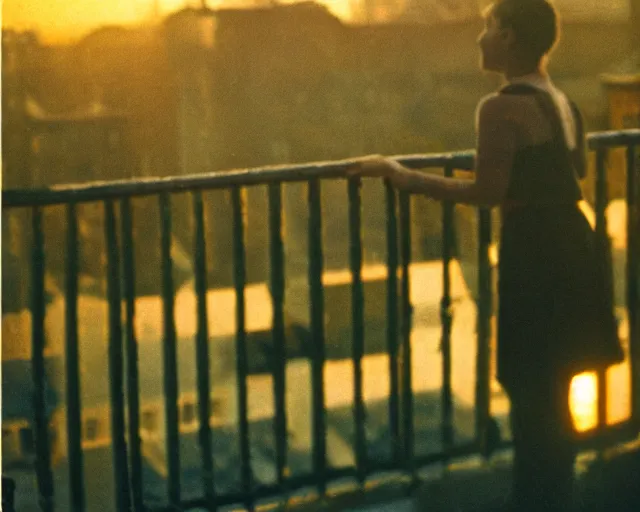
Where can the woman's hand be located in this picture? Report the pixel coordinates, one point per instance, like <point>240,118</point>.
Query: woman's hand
<point>374,166</point>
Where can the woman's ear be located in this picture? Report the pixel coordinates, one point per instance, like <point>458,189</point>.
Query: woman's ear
<point>508,37</point>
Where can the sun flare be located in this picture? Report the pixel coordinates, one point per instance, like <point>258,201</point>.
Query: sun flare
<point>583,401</point>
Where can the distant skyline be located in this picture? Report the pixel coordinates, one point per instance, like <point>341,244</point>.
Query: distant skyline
<point>66,20</point>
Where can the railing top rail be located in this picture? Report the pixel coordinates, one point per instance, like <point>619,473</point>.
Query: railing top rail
<point>101,190</point>
<point>97,191</point>
<point>613,138</point>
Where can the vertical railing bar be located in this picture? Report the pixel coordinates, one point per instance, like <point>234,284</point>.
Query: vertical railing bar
<point>392,321</point>
<point>406,324</point>
<point>484,308</point>
<point>317,334</point>
<point>447,319</point>
<point>116,362</point>
<point>202,351</point>
<point>357,324</point>
<point>239,258</point>
<point>602,200</point>
<point>42,444</point>
<point>133,386</point>
<point>169,353</point>
<point>8,494</point>
<point>74,424</point>
<point>279,347</point>
<point>633,275</point>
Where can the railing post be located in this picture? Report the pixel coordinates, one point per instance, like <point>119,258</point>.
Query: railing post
<point>116,376</point>
<point>602,238</point>
<point>484,309</point>
<point>239,259</point>
<point>202,352</point>
<point>276,246</point>
<point>319,423</point>
<point>8,494</point>
<point>357,324</point>
<point>633,275</point>
<point>406,325</point>
<point>74,425</point>
<point>169,356</point>
<point>446,318</point>
<point>392,322</point>
<point>131,344</point>
<point>41,424</point>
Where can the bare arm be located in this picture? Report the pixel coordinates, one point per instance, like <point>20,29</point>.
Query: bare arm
<point>495,149</point>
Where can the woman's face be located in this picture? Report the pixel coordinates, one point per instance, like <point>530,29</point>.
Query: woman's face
<point>494,45</point>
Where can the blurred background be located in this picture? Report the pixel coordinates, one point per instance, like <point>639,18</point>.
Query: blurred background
<point>126,89</point>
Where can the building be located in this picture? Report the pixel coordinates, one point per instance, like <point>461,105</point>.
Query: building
<point>80,147</point>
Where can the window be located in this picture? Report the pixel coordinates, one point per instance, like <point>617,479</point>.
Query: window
<point>188,413</point>
<point>215,407</point>
<point>7,441</point>
<point>27,441</point>
<point>91,428</point>
<point>631,120</point>
<point>149,420</point>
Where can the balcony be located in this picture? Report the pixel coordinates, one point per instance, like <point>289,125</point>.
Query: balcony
<point>216,397</point>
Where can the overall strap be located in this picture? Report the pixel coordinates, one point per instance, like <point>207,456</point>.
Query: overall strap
<point>544,101</point>
<point>519,89</point>
<point>574,159</point>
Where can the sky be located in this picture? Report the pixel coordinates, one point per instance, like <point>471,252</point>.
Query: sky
<point>69,19</point>
<point>64,20</point>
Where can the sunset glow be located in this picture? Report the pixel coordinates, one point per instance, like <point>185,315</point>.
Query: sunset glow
<point>59,21</point>
<point>44,14</point>
<point>584,401</point>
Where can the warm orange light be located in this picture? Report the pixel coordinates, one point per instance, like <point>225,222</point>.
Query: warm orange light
<point>342,9</point>
<point>583,401</point>
<point>58,21</point>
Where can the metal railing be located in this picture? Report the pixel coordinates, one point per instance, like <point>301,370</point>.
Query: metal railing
<point>125,414</point>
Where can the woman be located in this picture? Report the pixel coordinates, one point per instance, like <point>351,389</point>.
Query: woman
<point>555,316</point>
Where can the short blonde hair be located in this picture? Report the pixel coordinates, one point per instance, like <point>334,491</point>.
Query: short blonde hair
<point>535,23</point>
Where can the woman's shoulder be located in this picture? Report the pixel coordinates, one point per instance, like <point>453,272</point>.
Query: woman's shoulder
<point>502,106</point>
